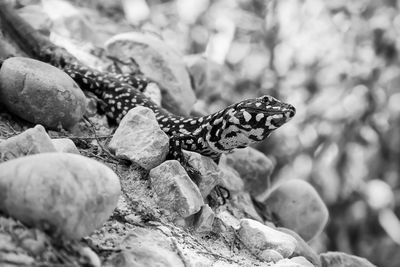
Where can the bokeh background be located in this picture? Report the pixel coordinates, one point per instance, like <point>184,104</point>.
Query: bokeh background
<point>337,62</point>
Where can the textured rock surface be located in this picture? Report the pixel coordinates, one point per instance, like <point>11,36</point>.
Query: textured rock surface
<point>204,219</point>
<point>65,145</point>
<point>258,237</point>
<point>159,63</point>
<point>40,93</point>
<point>293,262</point>
<point>340,259</point>
<point>36,18</point>
<point>32,141</point>
<point>209,171</point>
<point>61,193</point>
<point>230,178</point>
<point>253,166</point>
<point>144,247</point>
<point>140,139</point>
<point>175,190</point>
<point>296,205</point>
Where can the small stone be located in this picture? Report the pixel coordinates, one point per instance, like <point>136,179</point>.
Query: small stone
<point>209,172</point>
<point>302,261</point>
<point>204,219</point>
<point>147,247</point>
<point>302,248</point>
<point>288,263</point>
<point>159,63</point>
<point>225,220</point>
<point>254,168</point>
<point>32,141</point>
<point>175,190</point>
<point>61,193</point>
<point>296,205</point>
<point>269,255</point>
<point>140,139</point>
<point>258,237</point>
<point>340,259</point>
<point>40,93</point>
<point>153,92</point>
<point>35,244</point>
<point>15,259</point>
<point>65,145</point>
<point>244,203</point>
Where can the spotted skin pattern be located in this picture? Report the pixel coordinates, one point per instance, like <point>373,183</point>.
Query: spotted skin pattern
<point>236,126</point>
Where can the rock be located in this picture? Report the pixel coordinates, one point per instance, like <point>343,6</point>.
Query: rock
<point>244,203</point>
<point>270,255</point>
<point>209,171</point>
<point>14,259</point>
<point>293,262</point>
<point>340,259</point>
<point>230,179</point>
<point>153,92</point>
<point>253,166</point>
<point>147,247</point>
<point>302,248</point>
<point>90,257</point>
<point>204,219</point>
<point>61,193</point>
<point>159,63</point>
<point>37,18</point>
<point>40,93</point>
<point>175,190</point>
<point>302,261</point>
<point>225,221</point>
<point>258,237</point>
<point>32,141</point>
<point>65,145</point>
<point>296,205</point>
<point>140,139</point>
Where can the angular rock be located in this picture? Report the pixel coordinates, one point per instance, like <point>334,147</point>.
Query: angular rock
<point>147,247</point>
<point>244,203</point>
<point>175,190</point>
<point>209,171</point>
<point>296,205</point>
<point>140,139</point>
<point>225,221</point>
<point>270,255</point>
<point>40,93</point>
<point>61,193</point>
<point>204,219</point>
<point>159,63</point>
<point>32,141</point>
<point>302,248</point>
<point>65,145</point>
<point>258,237</point>
<point>302,261</point>
<point>230,178</point>
<point>293,262</point>
<point>340,259</point>
<point>253,166</point>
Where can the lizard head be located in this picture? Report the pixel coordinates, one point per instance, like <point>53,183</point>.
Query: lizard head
<point>247,122</point>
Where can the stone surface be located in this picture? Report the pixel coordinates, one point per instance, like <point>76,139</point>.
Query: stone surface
<point>253,167</point>
<point>270,255</point>
<point>32,141</point>
<point>225,221</point>
<point>340,259</point>
<point>61,193</point>
<point>296,205</point>
<point>40,93</point>
<point>258,237</point>
<point>302,261</point>
<point>175,190</point>
<point>36,17</point>
<point>159,63</point>
<point>302,248</point>
<point>65,145</point>
<point>230,178</point>
<point>140,139</point>
<point>204,219</point>
<point>244,203</point>
<point>209,171</point>
<point>147,247</point>
<point>293,262</point>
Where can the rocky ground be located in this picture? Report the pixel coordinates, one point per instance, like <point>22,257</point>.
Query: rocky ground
<point>78,192</point>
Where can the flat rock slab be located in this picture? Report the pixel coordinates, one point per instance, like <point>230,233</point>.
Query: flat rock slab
<point>40,93</point>
<point>258,237</point>
<point>175,190</point>
<point>139,139</point>
<point>159,63</point>
<point>32,141</point>
<point>61,193</point>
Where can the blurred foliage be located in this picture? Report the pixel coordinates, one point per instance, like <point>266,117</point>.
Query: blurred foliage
<point>337,62</point>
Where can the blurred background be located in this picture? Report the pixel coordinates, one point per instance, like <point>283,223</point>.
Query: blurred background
<point>337,63</point>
